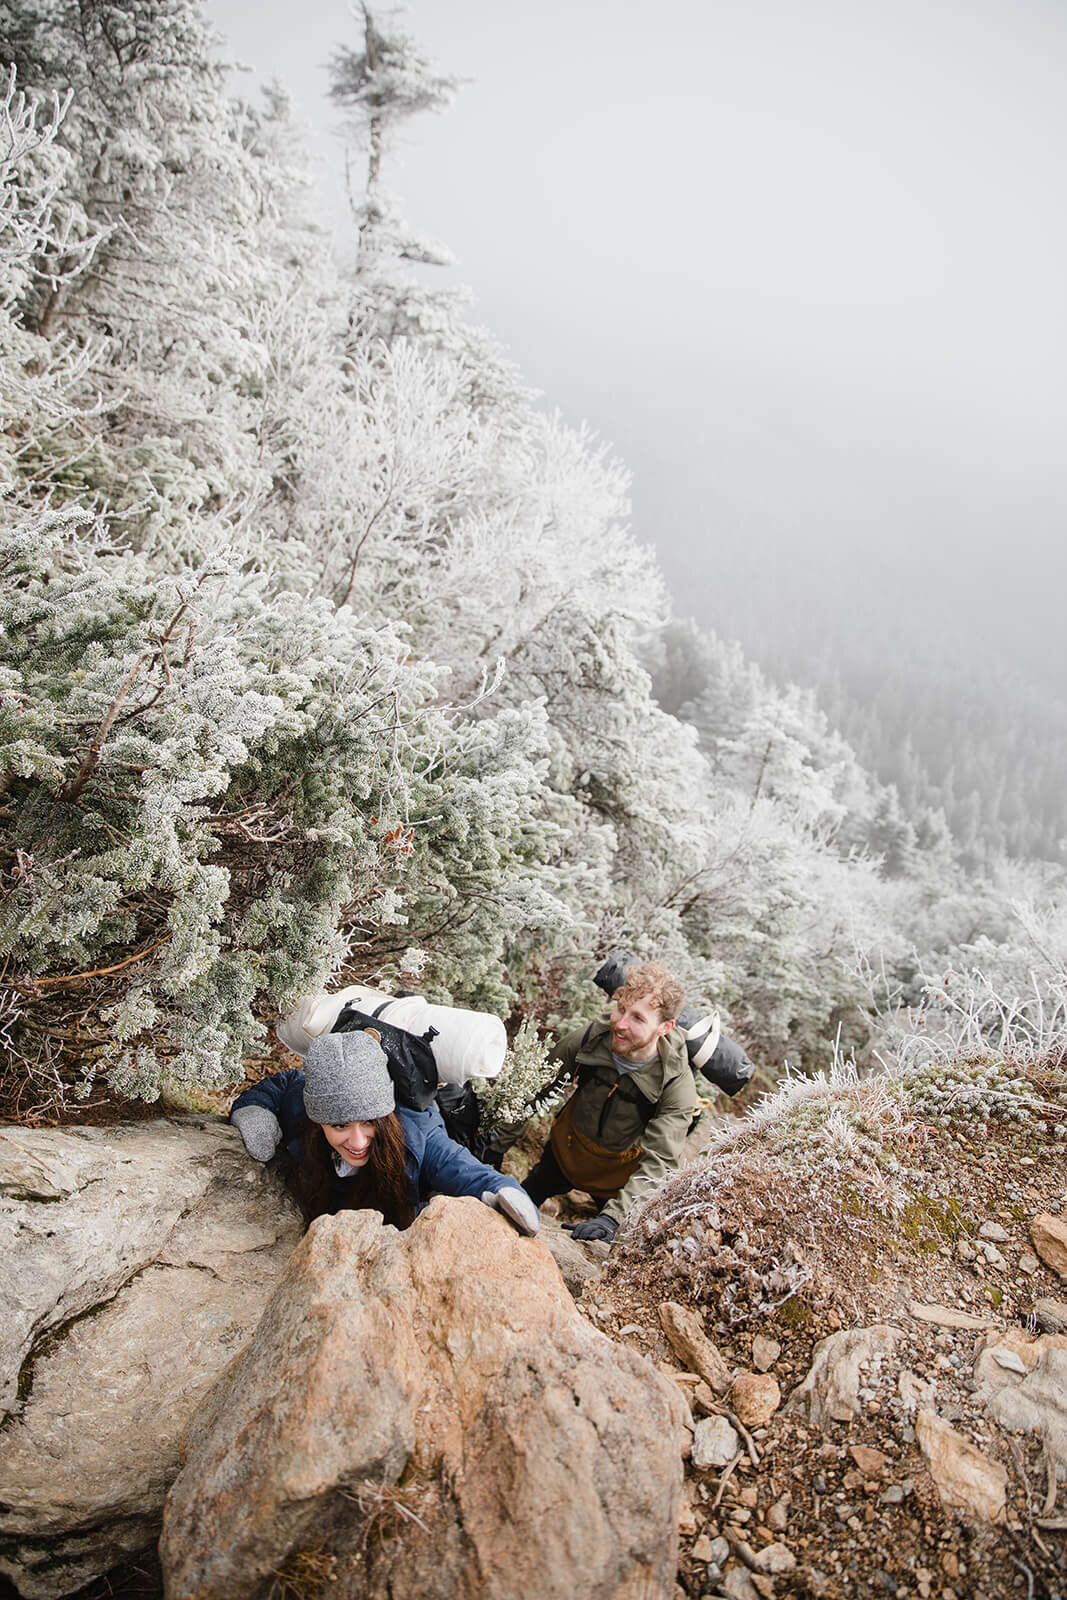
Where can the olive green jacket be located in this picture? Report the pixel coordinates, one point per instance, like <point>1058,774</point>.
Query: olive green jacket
<point>614,1120</point>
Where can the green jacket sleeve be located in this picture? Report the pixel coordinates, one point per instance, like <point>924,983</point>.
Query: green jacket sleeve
<point>661,1144</point>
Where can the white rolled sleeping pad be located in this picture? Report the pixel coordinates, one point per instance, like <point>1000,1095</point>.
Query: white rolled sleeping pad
<point>710,1026</point>
<point>468,1044</point>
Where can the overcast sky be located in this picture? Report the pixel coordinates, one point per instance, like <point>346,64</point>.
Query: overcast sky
<point>801,263</point>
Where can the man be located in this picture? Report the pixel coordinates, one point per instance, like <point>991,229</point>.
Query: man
<point>624,1125</point>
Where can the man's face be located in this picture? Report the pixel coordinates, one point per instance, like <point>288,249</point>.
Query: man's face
<point>636,1028</point>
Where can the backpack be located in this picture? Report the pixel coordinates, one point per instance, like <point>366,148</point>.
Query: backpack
<point>411,1063</point>
<point>414,1073</point>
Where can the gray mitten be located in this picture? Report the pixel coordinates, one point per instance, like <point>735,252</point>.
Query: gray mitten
<point>517,1206</point>
<point>260,1130</point>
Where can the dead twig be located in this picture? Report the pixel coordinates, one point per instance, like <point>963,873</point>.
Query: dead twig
<point>724,1480</point>
<point>99,972</point>
<point>1029,1576</point>
<point>1020,1467</point>
<point>1052,1481</point>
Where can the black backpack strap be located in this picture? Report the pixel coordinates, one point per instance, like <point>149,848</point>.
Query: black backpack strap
<point>621,1086</point>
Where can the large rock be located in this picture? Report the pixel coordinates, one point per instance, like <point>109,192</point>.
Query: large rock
<point>969,1483</point>
<point>691,1345</point>
<point>428,1414</point>
<point>1034,1399</point>
<point>136,1263</point>
<point>830,1392</point>
<point>1049,1234</point>
<point>578,1262</point>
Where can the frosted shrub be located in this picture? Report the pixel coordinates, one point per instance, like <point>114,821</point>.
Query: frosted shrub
<point>970,1092</point>
<point>209,784</point>
<point>505,1102</point>
<point>1004,997</point>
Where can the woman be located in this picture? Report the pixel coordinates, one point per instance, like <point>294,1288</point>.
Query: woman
<point>355,1149</point>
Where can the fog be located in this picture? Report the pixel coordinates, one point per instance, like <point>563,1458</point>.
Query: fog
<point>802,266</point>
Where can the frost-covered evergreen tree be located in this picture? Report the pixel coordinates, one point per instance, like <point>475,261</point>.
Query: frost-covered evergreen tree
<point>217,782</point>
<point>321,644</point>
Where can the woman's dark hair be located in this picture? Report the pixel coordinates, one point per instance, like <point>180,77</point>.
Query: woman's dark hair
<point>382,1185</point>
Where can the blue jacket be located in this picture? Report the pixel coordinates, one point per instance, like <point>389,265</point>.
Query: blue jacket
<point>435,1163</point>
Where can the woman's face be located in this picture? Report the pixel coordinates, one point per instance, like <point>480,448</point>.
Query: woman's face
<point>351,1140</point>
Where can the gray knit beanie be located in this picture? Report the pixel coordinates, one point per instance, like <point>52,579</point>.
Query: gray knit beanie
<point>346,1079</point>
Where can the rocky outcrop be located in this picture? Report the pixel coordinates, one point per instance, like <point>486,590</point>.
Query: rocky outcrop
<point>579,1261</point>
<point>428,1413</point>
<point>692,1346</point>
<point>970,1484</point>
<point>135,1264</point>
<point>1022,1383</point>
<point>830,1392</point>
<point>1049,1234</point>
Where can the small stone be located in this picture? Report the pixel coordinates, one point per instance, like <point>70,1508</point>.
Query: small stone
<point>715,1443</point>
<point>967,1481</point>
<point>764,1584</point>
<point>1009,1361</point>
<point>755,1397</point>
<point>778,1515</point>
<point>776,1559</point>
<point>872,1463</point>
<point>685,1332</point>
<point>965,1250</point>
<point>1051,1315</point>
<point>702,1549</point>
<point>765,1353</point>
<point>891,1496</point>
<point>950,1565</point>
<point>948,1317</point>
<point>914,1391</point>
<point>720,1550</point>
<point>993,1256</point>
<point>1028,1263</point>
<point>749,1496</point>
<point>994,1231</point>
<point>737,1585</point>
<point>687,1522</point>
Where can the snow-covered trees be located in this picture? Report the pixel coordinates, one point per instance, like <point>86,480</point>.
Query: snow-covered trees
<point>319,640</point>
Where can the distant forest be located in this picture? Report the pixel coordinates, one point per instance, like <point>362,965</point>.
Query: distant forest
<point>976,738</point>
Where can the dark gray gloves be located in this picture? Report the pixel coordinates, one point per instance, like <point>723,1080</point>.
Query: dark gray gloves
<point>260,1130</point>
<point>516,1205</point>
<point>600,1227</point>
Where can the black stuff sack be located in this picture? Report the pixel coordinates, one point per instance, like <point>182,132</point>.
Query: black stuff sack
<point>411,1063</point>
<point>729,1068</point>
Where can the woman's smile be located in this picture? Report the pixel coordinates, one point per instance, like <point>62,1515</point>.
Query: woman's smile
<point>351,1140</point>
